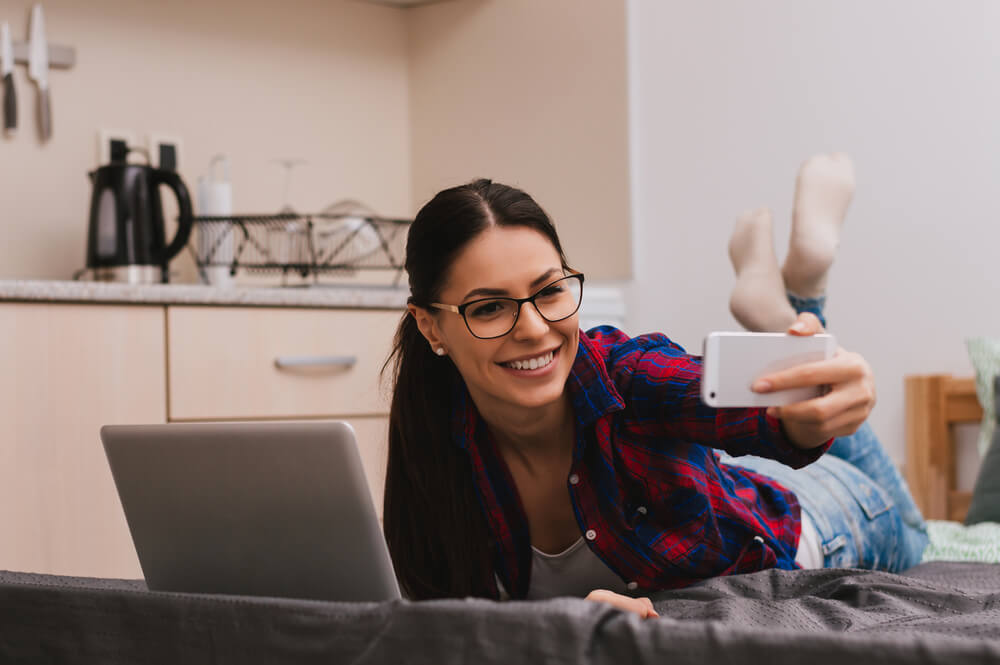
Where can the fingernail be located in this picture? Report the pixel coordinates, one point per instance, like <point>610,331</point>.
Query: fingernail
<point>761,386</point>
<point>799,327</point>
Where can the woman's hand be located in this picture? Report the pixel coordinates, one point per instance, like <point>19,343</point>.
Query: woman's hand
<point>839,412</point>
<point>641,606</point>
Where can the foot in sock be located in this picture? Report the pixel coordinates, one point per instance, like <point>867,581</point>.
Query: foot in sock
<point>823,191</point>
<point>758,300</point>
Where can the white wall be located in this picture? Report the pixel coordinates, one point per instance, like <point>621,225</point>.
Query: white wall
<point>728,97</point>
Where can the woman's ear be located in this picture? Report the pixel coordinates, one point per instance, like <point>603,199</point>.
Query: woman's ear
<point>427,325</point>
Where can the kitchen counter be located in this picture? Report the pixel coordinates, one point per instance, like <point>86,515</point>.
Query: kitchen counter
<point>325,296</point>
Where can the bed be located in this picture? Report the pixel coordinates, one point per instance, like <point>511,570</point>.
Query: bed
<point>939,612</point>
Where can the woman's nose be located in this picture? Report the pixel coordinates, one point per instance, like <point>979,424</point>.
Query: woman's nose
<point>529,323</point>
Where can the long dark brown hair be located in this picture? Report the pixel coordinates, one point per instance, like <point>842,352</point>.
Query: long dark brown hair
<point>434,525</point>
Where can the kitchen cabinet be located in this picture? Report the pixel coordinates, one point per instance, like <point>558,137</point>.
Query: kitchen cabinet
<point>68,369</point>
<point>242,362</point>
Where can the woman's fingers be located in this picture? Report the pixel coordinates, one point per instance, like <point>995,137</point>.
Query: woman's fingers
<point>838,412</point>
<point>842,398</point>
<point>641,606</point>
<point>840,424</point>
<point>846,423</point>
<point>806,323</point>
<point>842,368</point>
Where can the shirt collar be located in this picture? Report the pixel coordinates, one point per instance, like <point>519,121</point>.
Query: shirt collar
<point>592,391</point>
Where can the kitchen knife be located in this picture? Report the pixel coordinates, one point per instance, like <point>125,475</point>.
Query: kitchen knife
<point>7,73</point>
<point>38,69</point>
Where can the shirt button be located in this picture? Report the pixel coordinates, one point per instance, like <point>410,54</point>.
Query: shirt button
<point>632,586</point>
<point>641,510</point>
<point>574,479</point>
<point>591,534</point>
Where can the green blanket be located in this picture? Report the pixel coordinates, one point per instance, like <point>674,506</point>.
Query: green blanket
<point>954,541</point>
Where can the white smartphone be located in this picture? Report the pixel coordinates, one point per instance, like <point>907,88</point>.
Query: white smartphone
<point>733,361</point>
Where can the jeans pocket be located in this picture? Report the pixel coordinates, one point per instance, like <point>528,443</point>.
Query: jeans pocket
<point>872,499</point>
<point>868,520</point>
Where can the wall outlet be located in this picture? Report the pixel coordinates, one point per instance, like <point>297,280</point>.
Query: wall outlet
<point>164,151</point>
<point>110,139</point>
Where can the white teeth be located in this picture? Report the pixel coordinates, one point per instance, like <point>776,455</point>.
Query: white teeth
<point>533,363</point>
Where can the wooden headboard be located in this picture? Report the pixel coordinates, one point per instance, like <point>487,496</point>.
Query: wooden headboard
<point>934,404</point>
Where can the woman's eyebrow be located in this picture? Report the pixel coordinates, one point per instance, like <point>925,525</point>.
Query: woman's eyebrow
<point>502,292</point>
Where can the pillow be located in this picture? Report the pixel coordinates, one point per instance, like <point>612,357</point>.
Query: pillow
<point>984,352</point>
<point>985,506</point>
<point>951,541</point>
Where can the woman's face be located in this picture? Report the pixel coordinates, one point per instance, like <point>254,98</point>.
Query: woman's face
<point>515,262</point>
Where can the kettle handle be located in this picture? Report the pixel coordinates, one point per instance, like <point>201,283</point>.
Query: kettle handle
<point>185,220</point>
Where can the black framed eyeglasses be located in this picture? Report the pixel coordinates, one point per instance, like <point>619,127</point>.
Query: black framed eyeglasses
<point>489,318</point>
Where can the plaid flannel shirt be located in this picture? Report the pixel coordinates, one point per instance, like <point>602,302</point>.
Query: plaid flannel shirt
<point>648,490</point>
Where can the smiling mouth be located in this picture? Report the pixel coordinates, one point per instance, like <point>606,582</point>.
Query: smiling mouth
<point>538,362</point>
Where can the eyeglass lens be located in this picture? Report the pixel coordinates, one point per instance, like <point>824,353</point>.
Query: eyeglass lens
<point>496,316</point>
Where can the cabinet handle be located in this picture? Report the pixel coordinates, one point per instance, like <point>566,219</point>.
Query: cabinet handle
<point>333,362</point>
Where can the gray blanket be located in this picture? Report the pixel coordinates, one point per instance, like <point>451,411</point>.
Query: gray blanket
<point>936,613</point>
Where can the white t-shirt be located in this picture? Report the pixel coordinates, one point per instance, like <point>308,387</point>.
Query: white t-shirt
<point>576,571</point>
<point>810,552</point>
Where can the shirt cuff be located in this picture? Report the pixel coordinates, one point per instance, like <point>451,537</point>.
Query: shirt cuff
<point>787,452</point>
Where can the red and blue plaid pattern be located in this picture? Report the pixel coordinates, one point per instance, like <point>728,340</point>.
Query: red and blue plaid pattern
<point>662,510</point>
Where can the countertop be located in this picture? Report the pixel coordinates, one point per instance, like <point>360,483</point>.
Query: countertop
<point>326,296</point>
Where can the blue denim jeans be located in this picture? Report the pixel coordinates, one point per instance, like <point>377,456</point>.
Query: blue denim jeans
<point>857,500</point>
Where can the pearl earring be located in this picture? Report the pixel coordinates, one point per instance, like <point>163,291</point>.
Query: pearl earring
<point>440,351</point>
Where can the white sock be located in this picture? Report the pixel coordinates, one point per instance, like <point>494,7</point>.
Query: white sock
<point>823,191</point>
<point>758,299</point>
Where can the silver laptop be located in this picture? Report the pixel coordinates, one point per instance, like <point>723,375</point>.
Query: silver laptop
<point>261,509</point>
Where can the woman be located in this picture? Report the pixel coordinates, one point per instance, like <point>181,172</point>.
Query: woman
<point>528,459</point>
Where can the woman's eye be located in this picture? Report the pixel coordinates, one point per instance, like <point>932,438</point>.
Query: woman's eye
<point>486,309</point>
<point>550,291</point>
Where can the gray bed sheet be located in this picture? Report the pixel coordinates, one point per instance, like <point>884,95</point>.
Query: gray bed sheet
<point>935,613</point>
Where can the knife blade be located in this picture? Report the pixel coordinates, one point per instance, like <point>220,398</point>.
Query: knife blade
<point>7,73</point>
<point>38,70</point>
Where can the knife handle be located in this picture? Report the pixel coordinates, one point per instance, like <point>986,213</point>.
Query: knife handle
<point>9,104</point>
<point>44,114</point>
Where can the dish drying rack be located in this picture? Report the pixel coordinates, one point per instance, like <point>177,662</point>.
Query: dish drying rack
<point>309,246</point>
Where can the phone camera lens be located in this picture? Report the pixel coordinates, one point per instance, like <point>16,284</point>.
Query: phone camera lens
<point>712,394</point>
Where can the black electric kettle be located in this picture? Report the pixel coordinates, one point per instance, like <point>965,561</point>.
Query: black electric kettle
<point>127,241</point>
